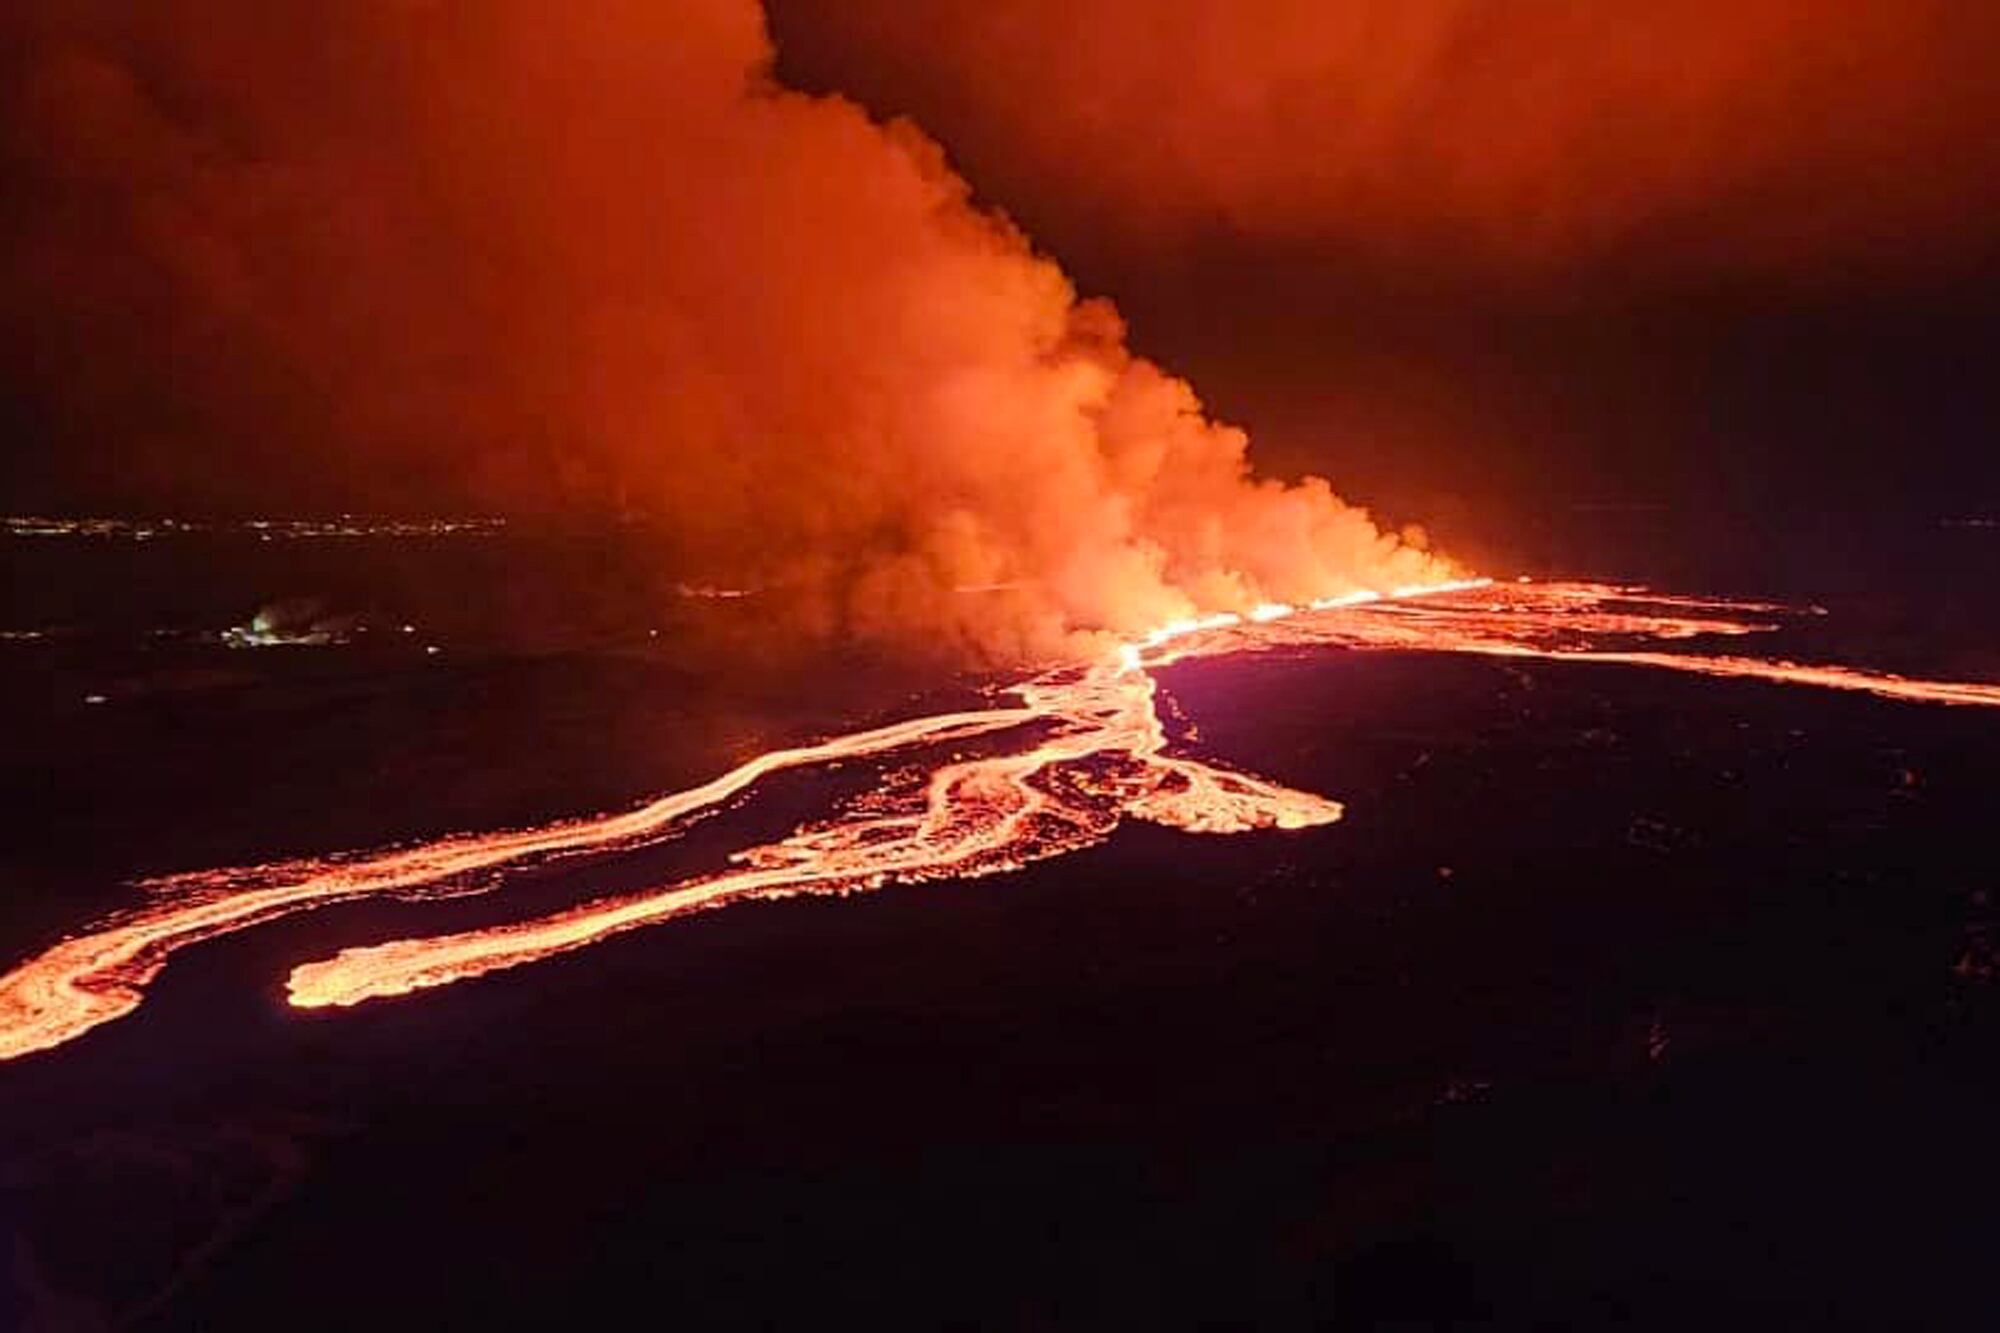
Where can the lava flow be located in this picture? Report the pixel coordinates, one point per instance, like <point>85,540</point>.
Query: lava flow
<point>1081,749</point>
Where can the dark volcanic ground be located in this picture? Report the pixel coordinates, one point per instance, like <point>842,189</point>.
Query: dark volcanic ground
<point>1617,999</point>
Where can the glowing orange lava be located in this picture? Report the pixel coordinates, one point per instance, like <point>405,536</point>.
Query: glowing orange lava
<point>1082,750</point>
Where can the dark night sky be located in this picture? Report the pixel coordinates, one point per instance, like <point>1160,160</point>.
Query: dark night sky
<point>1473,261</point>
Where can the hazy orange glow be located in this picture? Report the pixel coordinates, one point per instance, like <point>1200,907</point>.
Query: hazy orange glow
<point>1080,750</point>
<point>1766,132</point>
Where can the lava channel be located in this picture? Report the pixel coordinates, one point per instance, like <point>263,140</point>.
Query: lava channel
<point>1082,749</point>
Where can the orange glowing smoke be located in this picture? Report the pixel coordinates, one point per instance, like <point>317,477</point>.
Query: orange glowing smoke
<point>1082,750</point>
<point>595,259</point>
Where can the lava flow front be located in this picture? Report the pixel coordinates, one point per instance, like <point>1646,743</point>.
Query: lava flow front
<point>1079,750</point>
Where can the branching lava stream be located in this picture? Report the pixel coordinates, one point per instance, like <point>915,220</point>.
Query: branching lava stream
<point>1082,748</point>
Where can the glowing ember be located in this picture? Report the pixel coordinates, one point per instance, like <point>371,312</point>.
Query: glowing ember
<point>1082,751</point>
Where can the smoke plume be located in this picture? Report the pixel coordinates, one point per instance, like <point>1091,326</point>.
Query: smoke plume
<point>595,257</point>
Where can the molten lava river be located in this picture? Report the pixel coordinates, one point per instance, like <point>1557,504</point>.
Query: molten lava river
<point>1068,756</point>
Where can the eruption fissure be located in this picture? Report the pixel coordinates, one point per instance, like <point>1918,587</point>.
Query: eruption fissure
<point>1083,749</point>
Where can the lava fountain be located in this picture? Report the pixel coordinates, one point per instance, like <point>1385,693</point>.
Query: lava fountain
<point>1077,750</point>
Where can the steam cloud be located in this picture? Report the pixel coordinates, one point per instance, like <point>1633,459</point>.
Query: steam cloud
<point>593,255</point>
